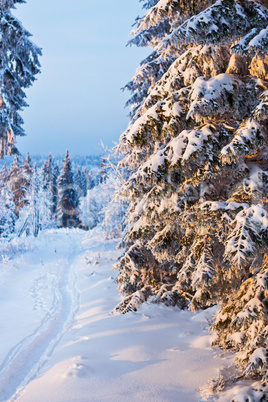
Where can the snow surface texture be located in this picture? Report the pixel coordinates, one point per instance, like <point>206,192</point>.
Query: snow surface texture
<point>60,342</point>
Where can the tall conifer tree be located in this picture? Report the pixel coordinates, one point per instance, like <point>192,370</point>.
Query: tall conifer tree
<point>16,181</point>
<point>197,148</point>
<point>49,184</point>
<point>18,66</point>
<point>68,196</point>
<point>7,207</point>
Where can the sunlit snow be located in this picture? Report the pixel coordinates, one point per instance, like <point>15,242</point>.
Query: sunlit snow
<point>59,340</point>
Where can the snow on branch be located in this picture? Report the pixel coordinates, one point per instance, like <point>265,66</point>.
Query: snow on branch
<point>222,20</point>
<point>258,361</point>
<point>248,231</point>
<point>150,121</point>
<point>186,146</point>
<point>158,13</point>
<point>247,139</point>
<point>261,111</point>
<point>255,43</point>
<point>213,97</point>
<point>133,301</point>
<point>160,18</point>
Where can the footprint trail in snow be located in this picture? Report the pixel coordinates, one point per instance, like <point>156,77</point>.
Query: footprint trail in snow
<point>49,280</point>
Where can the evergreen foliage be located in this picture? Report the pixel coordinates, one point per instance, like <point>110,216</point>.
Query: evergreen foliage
<point>196,148</point>
<point>18,67</point>
<point>8,215</point>
<point>68,209</point>
<point>26,169</point>
<point>28,220</point>
<point>18,184</point>
<point>49,184</point>
<point>29,197</point>
<point>102,175</point>
<point>150,30</point>
<point>242,322</point>
<point>81,180</point>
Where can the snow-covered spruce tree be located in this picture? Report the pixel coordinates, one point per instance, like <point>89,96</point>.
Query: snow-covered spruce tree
<point>18,184</point>
<point>80,180</point>
<point>28,220</point>
<point>49,185</point>
<point>26,168</point>
<point>196,152</point>
<point>18,66</point>
<point>26,173</point>
<point>38,211</point>
<point>3,175</point>
<point>102,172</point>
<point>56,171</point>
<point>85,182</point>
<point>68,207</point>
<point>36,214</point>
<point>8,215</point>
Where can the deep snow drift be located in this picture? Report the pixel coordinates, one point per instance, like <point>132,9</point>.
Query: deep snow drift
<point>60,342</point>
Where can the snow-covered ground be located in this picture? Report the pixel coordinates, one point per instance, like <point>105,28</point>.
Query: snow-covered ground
<point>60,342</point>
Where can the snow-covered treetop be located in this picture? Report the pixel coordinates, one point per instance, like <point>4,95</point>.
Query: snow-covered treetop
<point>6,4</point>
<point>66,176</point>
<point>18,66</point>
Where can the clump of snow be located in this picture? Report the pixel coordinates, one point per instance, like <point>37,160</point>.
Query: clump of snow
<point>259,41</point>
<point>211,96</point>
<point>245,141</point>
<point>181,148</point>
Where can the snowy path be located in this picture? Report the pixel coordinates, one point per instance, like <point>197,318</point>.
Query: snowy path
<point>47,275</point>
<point>59,341</point>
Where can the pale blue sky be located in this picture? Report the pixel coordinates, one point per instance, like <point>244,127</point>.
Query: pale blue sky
<point>76,100</point>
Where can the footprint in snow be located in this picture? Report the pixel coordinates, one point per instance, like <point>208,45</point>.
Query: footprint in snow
<point>79,370</point>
